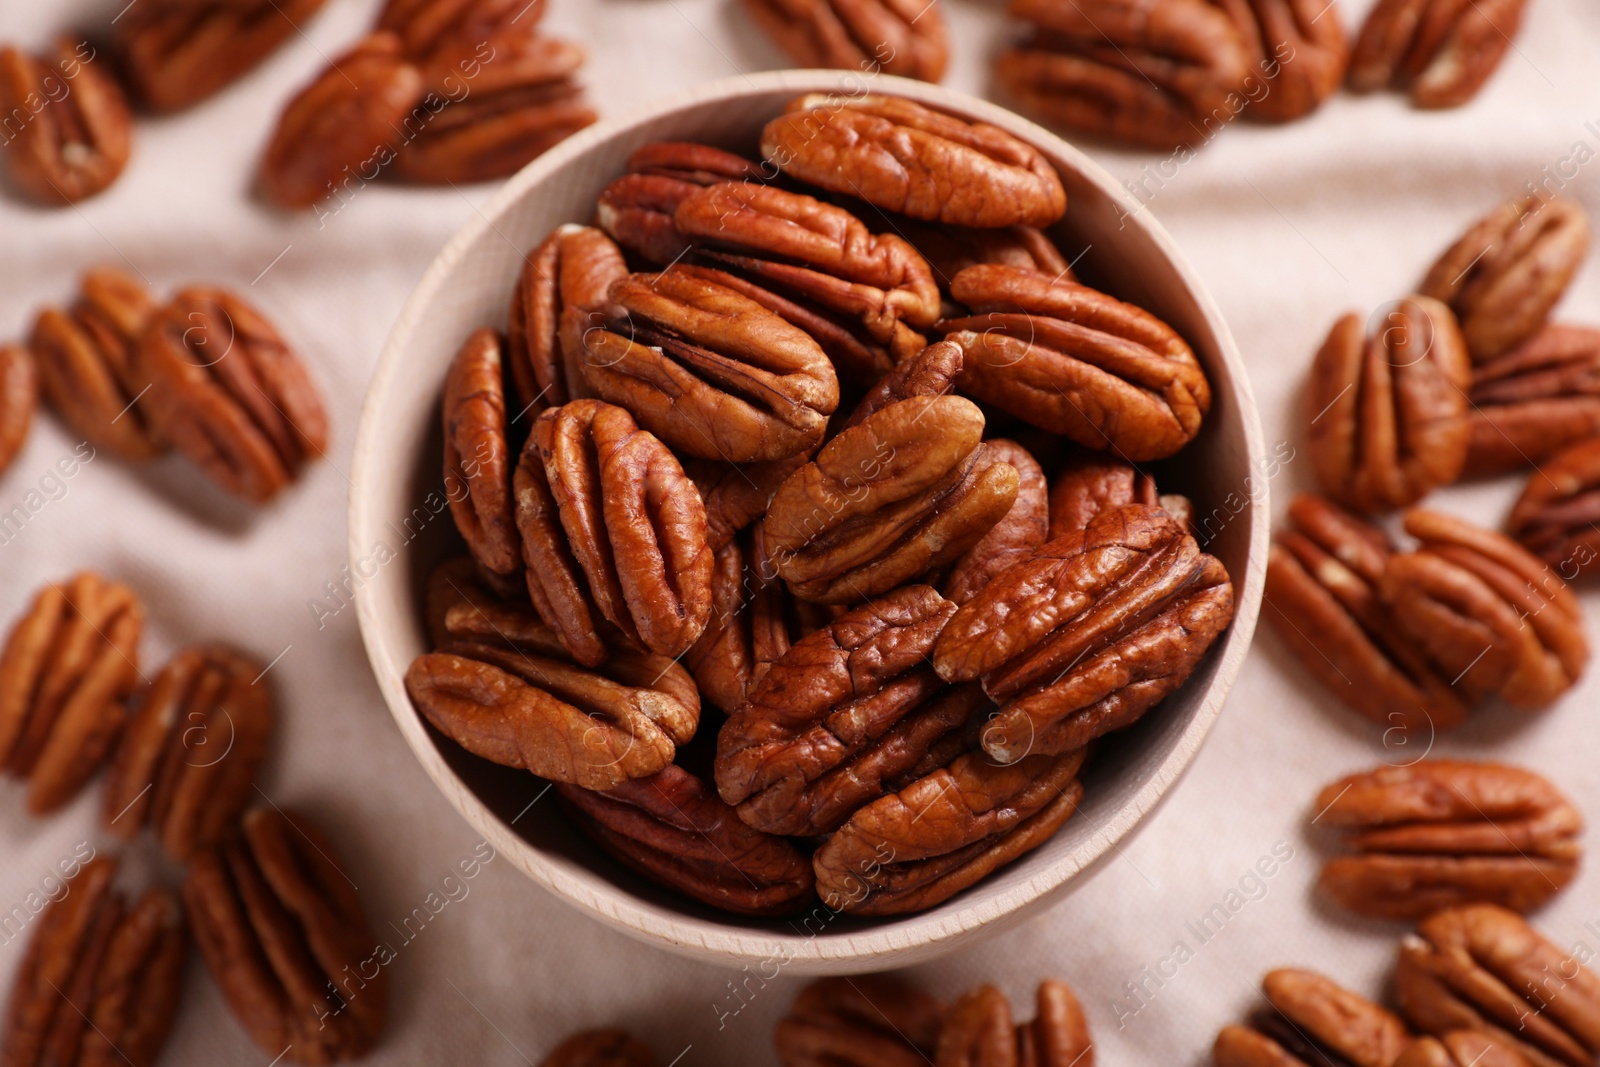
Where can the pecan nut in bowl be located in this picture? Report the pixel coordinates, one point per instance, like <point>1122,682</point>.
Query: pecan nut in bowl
<point>1557,514</point>
<point>979,1031</point>
<point>911,850</point>
<point>19,395</point>
<point>78,132</point>
<point>1091,482</point>
<point>478,457</point>
<point>1311,1020</point>
<point>187,760</point>
<point>950,250</point>
<point>736,495</point>
<point>284,935</point>
<point>1439,51</point>
<point>1387,413</point>
<point>1460,1048</point>
<point>1509,269</point>
<point>904,37</point>
<point>1481,967</point>
<point>101,979</point>
<point>874,1020</point>
<point>902,157</point>
<point>1298,46</point>
<point>1486,612</point>
<point>931,372</point>
<point>672,828</point>
<point>601,1048</point>
<point>1018,533</point>
<point>1439,833</point>
<point>1089,633</point>
<point>66,667</point>
<point>637,209</point>
<point>1535,400</point>
<point>1076,362</point>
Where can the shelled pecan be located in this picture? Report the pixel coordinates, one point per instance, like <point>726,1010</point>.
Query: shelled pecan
<point>437,33</point>
<point>1091,482</point>
<point>1297,47</point>
<point>872,1020</point>
<point>1018,533</point>
<point>1460,1048</point>
<point>1557,514</point>
<point>952,249</point>
<point>19,395</point>
<point>1310,1021</point>
<point>1534,401</point>
<point>76,131</point>
<point>904,37</point>
<point>573,267</point>
<point>479,456</point>
<point>1439,51</point>
<point>931,372</point>
<point>979,1031</point>
<point>637,208</point>
<point>600,1048</point>
<point>736,495</point>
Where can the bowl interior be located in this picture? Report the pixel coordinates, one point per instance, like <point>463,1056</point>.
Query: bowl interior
<point>400,527</point>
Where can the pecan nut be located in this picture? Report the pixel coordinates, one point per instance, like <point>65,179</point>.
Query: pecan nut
<point>902,157</point>
<point>76,131</point>
<point>874,1020</point>
<point>19,395</point>
<point>228,392</point>
<point>979,1031</point>
<point>637,208</point>
<point>478,460</point>
<point>573,267</point>
<point>737,494</point>
<point>1438,51</point>
<point>1535,400</point>
<point>1509,269</point>
<point>672,828</point>
<point>1298,47</point>
<point>1311,1020</point>
<point>1388,412</point>
<point>1555,517</point>
<point>1440,833</point>
<point>283,934</point>
<point>602,1048</point>
<point>1460,1048</point>
<point>1481,967</point>
<point>187,760</point>
<point>1091,482</point>
<point>1018,533</point>
<point>1077,362</point>
<point>65,670</point>
<point>1485,611</point>
<point>950,250</point>
<point>441,33</point>
<point>904,37</point>
<point>1089,633</point>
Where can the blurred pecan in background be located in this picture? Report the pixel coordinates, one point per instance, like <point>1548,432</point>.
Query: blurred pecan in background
<point>67,665</point>
<point>1557,517</point>
<point>672,828</point>
<point>1535,400</point>
<point>1074,361</point>
<point>1505,273</point>
<point>1460,1048</point>
<point>637,208</point>
<point>19,395</point>
<point>478,457</point>
<point>229,393</point>
<point>905,37</point>
<point>438,33</point>
<point>1021,530</point>
<point>187,760</point>
<point>1298,47</point>
<point>1444,832</point>
<point>979,1032</point>
<point>870,1020</point>
<point>573,267</point>
<point>1387,413</point>
<point>285,938</point>
<point>73,132</point>
<point>606,1048</point>
<point>1439,51</point>
<point>1311,1021</point>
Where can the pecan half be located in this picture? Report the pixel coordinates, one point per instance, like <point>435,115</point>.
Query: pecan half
<point>1298,47</point>
<point>438,33</point>
<point>1535,400</point>
<point>573,267</point>
<point>1485,611</point>
<point>931,372</point>
<point>1445,832</point>
<point>1509,269</point>
<point>979,1031</point>
<point>19,395</point>
<point>283,934</point>
<point>478,457</point>
<point>228,392</point>
<point>1556,516</point>
<point>1077,362</point>
<point>872,1020</point>
<point>904,37</point>
<point>1388,412</point>
<point>672,828</point>
<point>75,132</point>
<point>1091,482</point>
<point>187,760</point>
<point>65,670</point>
<point>1460,1048</point>
<point>911,850</point>
<point>1312,1021</point>
<point>1018,533</point>
<point>737,494</point>
<point>1439,51</point>
<point>602,1048</point>
<point>1481,967</point>
<point>1088,633</point>
<point>637,208</point>
<point>902,157</point>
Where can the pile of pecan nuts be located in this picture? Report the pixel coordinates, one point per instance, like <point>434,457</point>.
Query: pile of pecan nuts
<point>808,549</point>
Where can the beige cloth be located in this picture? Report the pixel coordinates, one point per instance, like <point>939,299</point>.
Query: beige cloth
<point>1289,227</point>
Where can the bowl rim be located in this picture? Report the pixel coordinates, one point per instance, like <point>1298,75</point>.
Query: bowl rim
<point>906,938</point>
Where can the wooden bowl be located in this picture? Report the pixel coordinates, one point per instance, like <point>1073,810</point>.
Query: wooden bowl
<point>399,527</point>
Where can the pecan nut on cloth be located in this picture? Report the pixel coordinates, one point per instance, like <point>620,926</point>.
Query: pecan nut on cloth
<point>436,31</point>
<point>67,666</point>
<point>1076,362</point>
<point>1091,482</point>
<point>1535,400</point>
<point>176,53</point>
<point>1481,967</point>
<point>872,1020</point>
<point>1311,1021</point>
<point>672,828</point>
<point>284,936</point>
<point>849,714</point>
<point>230,394</point>
<point>1297,48</point>
<point>1509,269</point>
<point>1089,633</point>
<point>1460,1048</point>
<point>900,156</point>
<point>1387,413</point>
<point>1485,612</point>
<point>904,37</point>
<point>601,1048</point>
<point>79,131</point>
<point>1439,833</point>
<point>187,760</point>
<point>637,208</point>
<point>19,396</point>
<point>101,979</point>
<point>479,456</point>
<point>979,1031</point>
<point>1439,51</point>
<point>1556,516</point>
<point>911,850</point>
<point>1018,533</point>
<point>1322,596</point>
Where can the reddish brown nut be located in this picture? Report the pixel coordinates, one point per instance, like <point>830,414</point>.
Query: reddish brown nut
<point>68,128</point>
<point>1311,1021</point>
<point>227,390</point>
<point>1460,1048</point>
<point>1556,516</point>
<point>911,850</point>
<point>175,53</point>
<point>187,760</point>
<point>1439,51</point>
<point>65,670</point>
<point>872,1020</point>
<point>1481,967</point>
<point>1485,612</point>
<point>1091,482</point>
<point>902,157</point>
<point>1077,362</point>
<point>672,829</point>
<point>737,494</point>
<point>904,37</point>
<point>1088,633</point>
<point>439,33</point>
<point>1163,75</point>
<point>979,1031</point>
<point>952,249</point>
<point>100,982</point>
<point>1323,575</point>
<point>931,372</point>
<point>600,1048</point>
<point>1297,47</point>
<point>637,208</point>
<point>1536,400</point>
<point>1018,533</point>
<point>1509,269</point>
<point>19,395</point>
<point>283,934</point>
<point>573,267</point>
<point>478,457</point>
